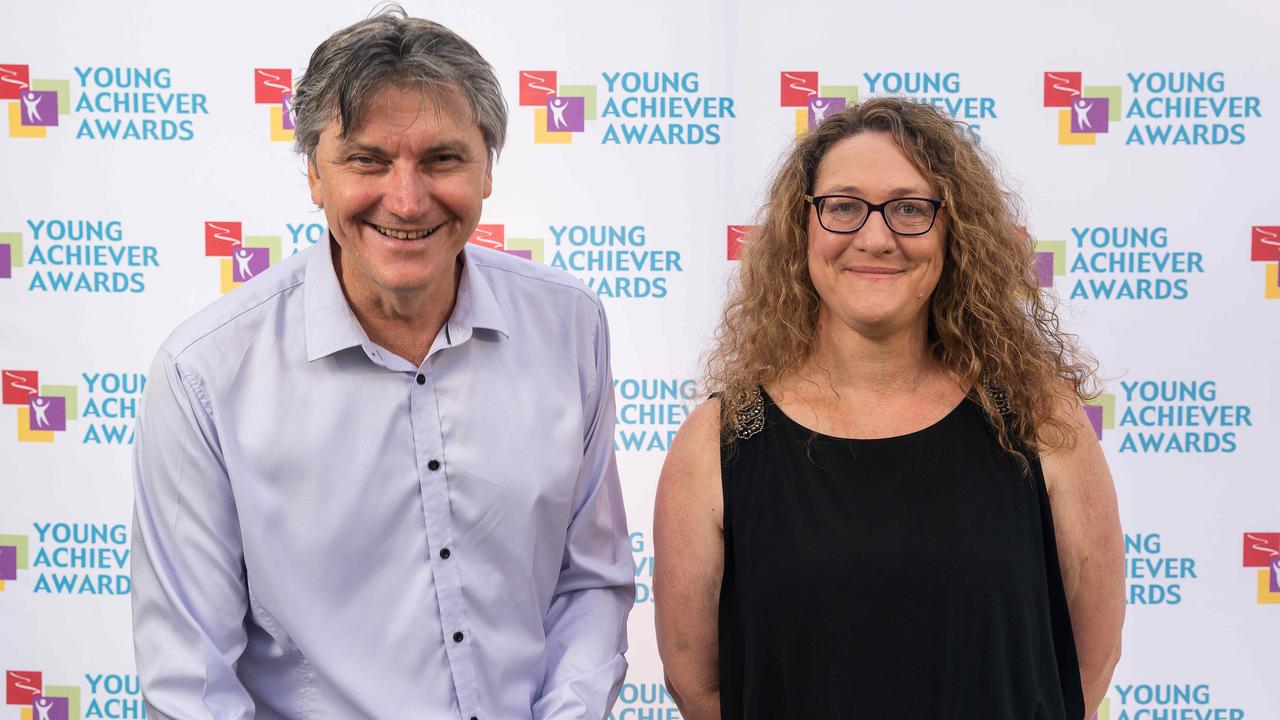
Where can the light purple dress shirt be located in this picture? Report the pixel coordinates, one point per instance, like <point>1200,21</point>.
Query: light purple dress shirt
<point>323,530</point>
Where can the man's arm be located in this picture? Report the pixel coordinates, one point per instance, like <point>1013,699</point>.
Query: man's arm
<point>189,594</point>
<point>1086,526</point>
<point>586,626</point>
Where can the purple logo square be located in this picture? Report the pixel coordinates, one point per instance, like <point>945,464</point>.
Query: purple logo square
<point>53,708</point>
<point>820,108</point>
<point>526,254</point>
<point>1090,115</point>
<point>1275,573</point>
<point>48,413</point>
<point>1044,268</point>
<point>247,262</point>
<point>6,260</point>
<point>39,107</point>
<point>286,106</point>
<point>1094,413</point>
<point>9,563</point>
<point>566,114</point>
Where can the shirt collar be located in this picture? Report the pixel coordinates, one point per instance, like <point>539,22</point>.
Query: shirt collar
<point>476,293</point>
<point>332,326</point>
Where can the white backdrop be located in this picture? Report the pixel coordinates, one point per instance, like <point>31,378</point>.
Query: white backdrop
<point>1163,230</point>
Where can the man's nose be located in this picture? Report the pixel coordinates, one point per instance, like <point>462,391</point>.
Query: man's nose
<point>408,192</point>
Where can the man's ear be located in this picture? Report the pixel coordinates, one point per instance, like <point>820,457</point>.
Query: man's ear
<point>313,181</point>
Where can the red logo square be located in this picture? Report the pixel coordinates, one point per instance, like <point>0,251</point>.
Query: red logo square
<point>220,238</point>
<point>1060,88</point>
<point>1266,243</point>
<point>13,80</point>
<point>490,236</point>
<point>1259,548</point>
<point>798,87</point>
<point>22,686</point>
<point>536,86</point>
<point>269,84</point>
<point>737,237</point>
<point>20,386</point>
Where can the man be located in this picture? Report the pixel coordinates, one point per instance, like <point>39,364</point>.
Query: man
<point>378,480</point>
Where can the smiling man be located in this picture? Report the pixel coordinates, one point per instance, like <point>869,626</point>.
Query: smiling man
<point>378,480</point>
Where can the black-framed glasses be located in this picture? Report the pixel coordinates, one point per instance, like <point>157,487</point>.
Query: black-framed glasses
<point>847,214</point>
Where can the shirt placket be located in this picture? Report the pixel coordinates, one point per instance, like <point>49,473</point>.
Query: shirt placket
<point>433,477</point>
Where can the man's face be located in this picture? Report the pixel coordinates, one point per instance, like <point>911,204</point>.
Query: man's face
<point>402,192</point>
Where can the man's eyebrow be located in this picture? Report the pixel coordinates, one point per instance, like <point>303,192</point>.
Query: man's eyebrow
<point>457,146</point>
<point>357,146</point>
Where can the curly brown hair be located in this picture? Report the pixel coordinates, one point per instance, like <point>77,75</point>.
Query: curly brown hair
<point>989,322</point>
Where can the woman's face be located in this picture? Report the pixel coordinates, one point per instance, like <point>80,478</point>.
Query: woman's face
<point>874,281</point>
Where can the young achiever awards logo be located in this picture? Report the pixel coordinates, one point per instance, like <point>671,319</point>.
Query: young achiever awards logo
<point>613,260</point>
<point>273,87</point>
<point>83,255</point>
<point>242,257</point>
<point>1110,263</point>
<point>40,701</point>
<point>1151,107</point>
<point>1262,555</point>
<point>635,108</point>
<point>34,105</point>
<point>1265,248</point>
<point>943,89</point>
<point>43,410</point>
<point>108,103</point>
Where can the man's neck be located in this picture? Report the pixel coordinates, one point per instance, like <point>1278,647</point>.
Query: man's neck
<point>404,323</point>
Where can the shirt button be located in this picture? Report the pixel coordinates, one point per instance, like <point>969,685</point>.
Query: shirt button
<point>434,464</point>
<point>444,553</point>
<point>457,637</point>
<point>422,379</point>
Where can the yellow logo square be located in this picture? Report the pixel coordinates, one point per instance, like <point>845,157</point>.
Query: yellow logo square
<point>1066,137</point>
<point>542,136</point>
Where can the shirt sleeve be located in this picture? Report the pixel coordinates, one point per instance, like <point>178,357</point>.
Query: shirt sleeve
<point>189,592</point>
<point>586,626</point>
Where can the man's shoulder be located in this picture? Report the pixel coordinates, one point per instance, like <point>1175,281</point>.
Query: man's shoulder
<point>242,310</point>
<point>512,274</point>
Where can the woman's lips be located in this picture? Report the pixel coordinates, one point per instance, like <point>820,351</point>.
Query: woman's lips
<point>875,271</point>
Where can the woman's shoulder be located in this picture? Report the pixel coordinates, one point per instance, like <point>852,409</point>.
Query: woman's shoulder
<point>691,472</point>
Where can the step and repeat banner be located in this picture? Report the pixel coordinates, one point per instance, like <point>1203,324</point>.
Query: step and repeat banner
<point>148,168</point>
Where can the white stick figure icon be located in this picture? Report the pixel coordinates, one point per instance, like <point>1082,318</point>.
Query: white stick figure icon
<point>43,706</point>
<point>41,408</point>
<point>557,112</point>
<point>820,108</point>
<point>288,106</point>
<point>1081,108</point>
<point>243,257</point>
<point>32,101</point>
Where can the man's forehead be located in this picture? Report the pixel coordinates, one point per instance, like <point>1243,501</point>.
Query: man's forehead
<point>442,109</point>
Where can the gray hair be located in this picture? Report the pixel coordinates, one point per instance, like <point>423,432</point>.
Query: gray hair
<point>392,49</point>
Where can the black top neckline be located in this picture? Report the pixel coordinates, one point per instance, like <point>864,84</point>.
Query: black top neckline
<point>914,434</point>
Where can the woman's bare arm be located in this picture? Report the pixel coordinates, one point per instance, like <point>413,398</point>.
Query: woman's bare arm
<point>1090,551</point>
<point>688,535</point>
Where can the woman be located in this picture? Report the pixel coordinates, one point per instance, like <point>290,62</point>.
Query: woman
<point>893,506</point>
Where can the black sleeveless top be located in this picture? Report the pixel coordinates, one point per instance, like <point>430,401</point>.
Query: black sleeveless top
<point>913,577</point>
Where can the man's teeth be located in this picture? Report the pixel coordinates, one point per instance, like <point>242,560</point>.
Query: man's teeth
<point>402,235</point>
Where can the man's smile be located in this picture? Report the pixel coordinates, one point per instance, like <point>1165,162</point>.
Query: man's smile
<point>405,234</point>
